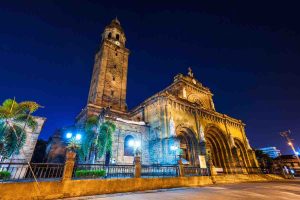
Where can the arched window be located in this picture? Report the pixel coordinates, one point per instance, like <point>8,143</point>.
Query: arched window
<point>128,149</point>
<point>117,36</point>
<point>109,35</point>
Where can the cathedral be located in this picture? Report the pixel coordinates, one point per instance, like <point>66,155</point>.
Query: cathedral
<point>180,120</point>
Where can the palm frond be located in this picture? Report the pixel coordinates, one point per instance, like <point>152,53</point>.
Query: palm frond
<point>27,120</point>
<point>30,106</point>
<point>14,139</point>
<point>4,113</point>
<point>9,104</point>
<point>12,134</point>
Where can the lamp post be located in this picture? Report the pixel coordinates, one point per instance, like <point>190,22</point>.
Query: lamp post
<point>73,145</point>
<point>290,143</point>
<point>73,141</point>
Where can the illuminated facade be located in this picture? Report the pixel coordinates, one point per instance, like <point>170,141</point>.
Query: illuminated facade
<point>180,119</point>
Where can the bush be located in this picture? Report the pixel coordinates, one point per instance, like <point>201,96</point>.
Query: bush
<point>89,173</point>
<point>4,175</point>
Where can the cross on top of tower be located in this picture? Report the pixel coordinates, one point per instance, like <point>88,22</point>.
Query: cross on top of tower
<point>116,20</point>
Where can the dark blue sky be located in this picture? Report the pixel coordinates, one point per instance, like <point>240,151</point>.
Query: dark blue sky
<point>248,54</point>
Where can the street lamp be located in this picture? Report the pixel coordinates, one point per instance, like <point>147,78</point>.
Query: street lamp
<point>78,136</point>
<point>70,136</point>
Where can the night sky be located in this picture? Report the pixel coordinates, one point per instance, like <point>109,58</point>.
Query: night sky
<point>248,54</point>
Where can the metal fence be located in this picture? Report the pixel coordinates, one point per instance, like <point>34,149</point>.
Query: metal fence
<point>151,171</point>
<point>195,171</point>
<point>92,171</point>
<point>22,171</point>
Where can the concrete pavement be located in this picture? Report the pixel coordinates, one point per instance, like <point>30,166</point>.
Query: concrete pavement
<point>288,189</point>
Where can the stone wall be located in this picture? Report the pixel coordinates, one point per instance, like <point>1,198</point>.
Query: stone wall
<point>73,188</point>
<point>139,132</point>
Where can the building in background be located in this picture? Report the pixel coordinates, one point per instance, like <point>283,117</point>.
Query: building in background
<point>273,152</point>
<point>180,119</point>
<point>289,161</point>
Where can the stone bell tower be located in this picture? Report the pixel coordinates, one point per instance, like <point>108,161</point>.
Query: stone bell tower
<point>109,80</point>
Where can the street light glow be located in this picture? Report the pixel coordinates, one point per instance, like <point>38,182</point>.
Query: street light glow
<point>78,136</point>
<point>290,144</point>
<point>68,135</point>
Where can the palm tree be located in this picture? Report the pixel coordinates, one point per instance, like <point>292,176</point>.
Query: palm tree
<point>98,138</point>
<point>14,118</point>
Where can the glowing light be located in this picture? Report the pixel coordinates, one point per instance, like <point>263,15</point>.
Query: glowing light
<point>78,136</point>
<point>137,144</point>
<point>290,144</point>
<point>68,135</point>
<point>131,143</point>
<point>173,147</point>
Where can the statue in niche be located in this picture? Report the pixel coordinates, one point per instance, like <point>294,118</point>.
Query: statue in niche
<point>172,127</point>
<point>201,134</point>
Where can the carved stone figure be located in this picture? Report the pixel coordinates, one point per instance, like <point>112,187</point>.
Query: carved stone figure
<point>172,127</point>
<point>201,134</point>
<point>190,73</point>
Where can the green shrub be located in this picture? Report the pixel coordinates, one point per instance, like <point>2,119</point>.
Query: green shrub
<point>89,173</point>
<point>4,175</point>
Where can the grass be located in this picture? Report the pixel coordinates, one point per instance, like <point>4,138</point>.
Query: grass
<point>4,175</point>
<point>89,173</point>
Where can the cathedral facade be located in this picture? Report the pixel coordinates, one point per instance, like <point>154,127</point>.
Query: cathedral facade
<point>179,120</point>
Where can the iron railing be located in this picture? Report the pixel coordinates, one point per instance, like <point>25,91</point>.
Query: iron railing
<point>195,171</point>
<point>151,171</point>
<point>108,171</point>
<point>22,171</point>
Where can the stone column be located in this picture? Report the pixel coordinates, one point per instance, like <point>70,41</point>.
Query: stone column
<point>69,165</point>
<point>137,167</point>
<point>181,167</point>
<point>212,168</point>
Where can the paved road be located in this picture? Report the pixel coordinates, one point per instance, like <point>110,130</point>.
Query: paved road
<point>246,191</point>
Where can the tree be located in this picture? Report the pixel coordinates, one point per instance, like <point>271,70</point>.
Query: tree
<point>265,161</point>
<point>97,139</point>
<point>14,118</point>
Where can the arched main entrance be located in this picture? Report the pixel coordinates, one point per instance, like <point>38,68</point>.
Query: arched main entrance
<point>240,154</point>
<point>218,149</point>
<point>188,145</point>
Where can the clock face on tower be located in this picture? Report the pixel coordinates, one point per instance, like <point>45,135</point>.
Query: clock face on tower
<point>117,43</point>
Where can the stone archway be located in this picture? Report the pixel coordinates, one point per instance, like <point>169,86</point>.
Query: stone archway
<point>241,156</point>
<point>218,149</point>
<point>188,145</point>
